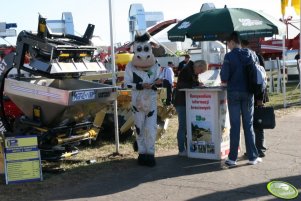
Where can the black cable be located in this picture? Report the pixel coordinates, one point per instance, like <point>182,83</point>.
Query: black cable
<point>3,117</point>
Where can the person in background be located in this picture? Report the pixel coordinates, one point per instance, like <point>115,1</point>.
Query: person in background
<point>259,100</point>
<point>297,57</point>
<point>183,63</point>
<point>188,78</point>
<point>240,100</point>
<point>168,79</point>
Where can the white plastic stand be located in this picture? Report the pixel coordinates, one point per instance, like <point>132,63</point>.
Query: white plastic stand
<point>208,123</point>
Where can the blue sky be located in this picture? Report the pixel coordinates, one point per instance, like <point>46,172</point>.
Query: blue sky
<point>25,13</point>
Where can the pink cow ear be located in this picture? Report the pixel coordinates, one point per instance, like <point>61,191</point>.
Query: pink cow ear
<point>154,45</point>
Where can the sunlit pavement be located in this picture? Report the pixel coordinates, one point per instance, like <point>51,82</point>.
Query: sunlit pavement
<point>180,178</point>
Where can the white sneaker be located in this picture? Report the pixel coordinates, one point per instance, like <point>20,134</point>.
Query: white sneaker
<point>254,162</point>
<point>183,153</point>
<point>230,163</point>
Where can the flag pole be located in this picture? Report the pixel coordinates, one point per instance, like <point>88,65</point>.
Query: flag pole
<point>283,6</point>
<point>113,67</point>
<point>283,71</point>
<point>299,61</point>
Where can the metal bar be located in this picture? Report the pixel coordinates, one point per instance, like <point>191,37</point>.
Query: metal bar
<point>114,77</point>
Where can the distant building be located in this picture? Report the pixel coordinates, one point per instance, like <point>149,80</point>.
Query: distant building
<point>151,18</point>
<point>139,20</point>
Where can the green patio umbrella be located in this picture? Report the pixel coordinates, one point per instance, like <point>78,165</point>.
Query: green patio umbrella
<point>218,24</point>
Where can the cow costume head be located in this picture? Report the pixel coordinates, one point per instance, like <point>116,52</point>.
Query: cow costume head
<point>143,58</point>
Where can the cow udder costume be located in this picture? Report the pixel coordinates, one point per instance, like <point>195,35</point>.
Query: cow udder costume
<point>142,77</point>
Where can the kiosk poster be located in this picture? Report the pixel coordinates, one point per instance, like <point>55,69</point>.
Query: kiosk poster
<point>201,112</point>
<point>224,125</point>
<point>22,159</point>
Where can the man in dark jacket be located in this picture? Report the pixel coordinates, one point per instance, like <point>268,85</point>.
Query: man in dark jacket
<point>183,63</point>
<point>240,100</point>
<point>187,79</point>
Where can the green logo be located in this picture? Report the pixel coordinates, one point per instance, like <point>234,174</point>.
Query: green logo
<point>149,73</point>
<point>199,118</point>
<point>282,189</point>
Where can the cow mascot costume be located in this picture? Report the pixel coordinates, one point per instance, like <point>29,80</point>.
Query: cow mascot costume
<point>142,77</point>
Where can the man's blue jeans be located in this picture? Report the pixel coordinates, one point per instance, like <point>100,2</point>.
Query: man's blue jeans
<point>241,103</point>
<point>181,135</point>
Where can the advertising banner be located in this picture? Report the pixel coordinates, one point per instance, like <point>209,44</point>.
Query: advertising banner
<point>207,123</point>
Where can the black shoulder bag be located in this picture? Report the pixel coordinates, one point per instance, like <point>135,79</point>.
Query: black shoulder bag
<point>264,117</point>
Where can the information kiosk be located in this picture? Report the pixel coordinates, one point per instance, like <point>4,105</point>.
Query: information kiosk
<point>208,125</point>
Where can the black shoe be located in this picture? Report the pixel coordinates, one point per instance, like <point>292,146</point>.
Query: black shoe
<point>135,146</point>
<point>142,159</point>
<point>150,161</point>
<point>261,154</point>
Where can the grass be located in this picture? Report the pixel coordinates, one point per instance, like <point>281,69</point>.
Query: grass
<point>293,100</point>
<point>292,96</point>
<point>104,151</point>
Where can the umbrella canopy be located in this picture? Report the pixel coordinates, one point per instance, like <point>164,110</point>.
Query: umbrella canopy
<point>218,24</point>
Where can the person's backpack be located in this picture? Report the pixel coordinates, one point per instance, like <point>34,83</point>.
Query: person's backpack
<point>257,80</point>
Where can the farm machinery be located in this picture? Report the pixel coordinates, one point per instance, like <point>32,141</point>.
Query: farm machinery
<point>42,93</point>
<point>51,87</point>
